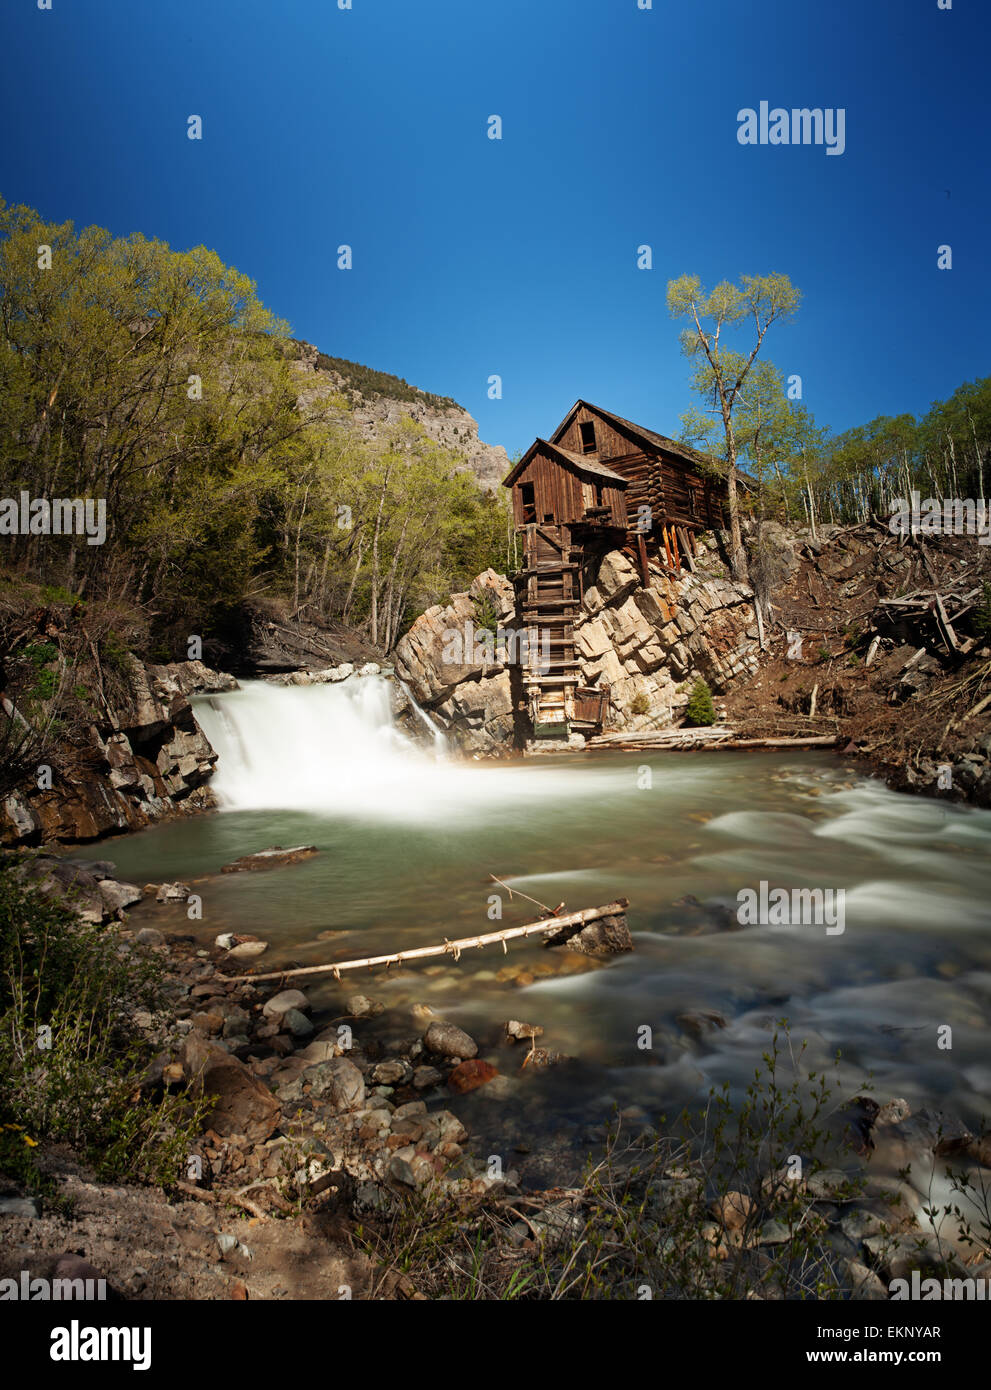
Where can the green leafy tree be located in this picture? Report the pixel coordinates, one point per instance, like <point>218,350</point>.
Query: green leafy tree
<point>761,298</point>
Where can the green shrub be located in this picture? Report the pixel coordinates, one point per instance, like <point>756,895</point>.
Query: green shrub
<point>72,1061</point>
<point>640,703</point>
<point>701,711</point>
<point>486,617</point>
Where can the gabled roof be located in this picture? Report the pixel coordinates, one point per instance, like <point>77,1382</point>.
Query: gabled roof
<point>579,461</point>
<point>659,441</point>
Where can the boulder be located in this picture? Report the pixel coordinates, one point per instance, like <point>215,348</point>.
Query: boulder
<point>360,1006</point>
<point>245,1107</point>
<point>606,936</point>
<point>117,896</point>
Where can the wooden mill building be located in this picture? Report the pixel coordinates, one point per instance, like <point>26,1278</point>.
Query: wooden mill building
<point>599,483</point>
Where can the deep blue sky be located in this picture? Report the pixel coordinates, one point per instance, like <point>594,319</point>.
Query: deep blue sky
<point>475,257</point>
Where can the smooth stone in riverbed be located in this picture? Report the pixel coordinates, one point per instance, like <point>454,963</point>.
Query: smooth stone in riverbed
<point>448,1040</point>
<point>281,1003</point>
<point>360,1006</point>
<point>247,950</point>
<point>117,896</point>
<point>468,1076</point>
<point>340,1081</point>
<point>392,1073</point>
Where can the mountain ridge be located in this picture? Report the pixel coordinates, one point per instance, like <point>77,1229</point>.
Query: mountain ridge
<point>378,400</point>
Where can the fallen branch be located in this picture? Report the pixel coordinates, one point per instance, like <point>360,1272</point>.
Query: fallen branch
<point>449,948</point>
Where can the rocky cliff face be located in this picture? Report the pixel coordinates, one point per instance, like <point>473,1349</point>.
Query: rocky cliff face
<point>458,676</point>
<point>446,422</point>
<point>642,641</point>
<point>150,760</point>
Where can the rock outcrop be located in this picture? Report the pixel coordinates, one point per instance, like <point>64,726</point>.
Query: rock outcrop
<point>646,643</point>
<point>652,642</point>
<point>457,668</point>
<point>147,761</point>
<point>375,415</point>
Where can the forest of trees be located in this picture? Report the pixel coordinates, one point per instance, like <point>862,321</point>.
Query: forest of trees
<point>157,380</point>
<point>808,473</point>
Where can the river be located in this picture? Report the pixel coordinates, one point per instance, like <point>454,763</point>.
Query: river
<point>408,837</point>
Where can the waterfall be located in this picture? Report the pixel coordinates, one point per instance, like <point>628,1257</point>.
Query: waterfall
<point>335,750</point>
<point>436,732</point>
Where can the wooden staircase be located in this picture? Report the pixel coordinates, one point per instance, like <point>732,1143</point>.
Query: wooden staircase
<point>548,599</point>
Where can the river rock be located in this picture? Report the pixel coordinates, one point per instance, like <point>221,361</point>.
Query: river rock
<point>339,1082</point>
<point>448,1040</point>
<point>392,1073</point>
<point>281,1003</point>
<point>360,1006</point>
<point>245,1106</point>
<point>172,892</point>
<point>425,1077</point>
<point>517,1031</point>
<point>468,1076</point>
<point>606,936</point>
<point>699,1023</point>
<point>117,896</point>
<point>247,950</point>
<point>297,1023</point>
<point>732,1210</point>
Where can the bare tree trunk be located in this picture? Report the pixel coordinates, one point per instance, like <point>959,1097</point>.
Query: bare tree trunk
<point>375,557</point>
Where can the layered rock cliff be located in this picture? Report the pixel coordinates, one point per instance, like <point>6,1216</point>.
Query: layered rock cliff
<point>647,643</point>
<point>149,760</point>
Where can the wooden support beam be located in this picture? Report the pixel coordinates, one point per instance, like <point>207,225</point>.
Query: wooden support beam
<point>642,553</point>
<point>687,550</point>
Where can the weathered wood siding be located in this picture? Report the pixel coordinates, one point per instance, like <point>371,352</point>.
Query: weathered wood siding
<point>673,489</point>
<point>562,494</point>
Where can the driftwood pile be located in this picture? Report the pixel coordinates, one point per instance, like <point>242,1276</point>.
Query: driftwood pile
<point>931,616</point>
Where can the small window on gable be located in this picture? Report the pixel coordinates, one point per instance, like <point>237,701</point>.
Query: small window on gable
<point>587,429</point>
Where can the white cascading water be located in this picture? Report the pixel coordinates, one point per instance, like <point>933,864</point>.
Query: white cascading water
<point>335,750</point>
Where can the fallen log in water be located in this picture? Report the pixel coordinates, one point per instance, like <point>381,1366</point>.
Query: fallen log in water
<point>566,929</point>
